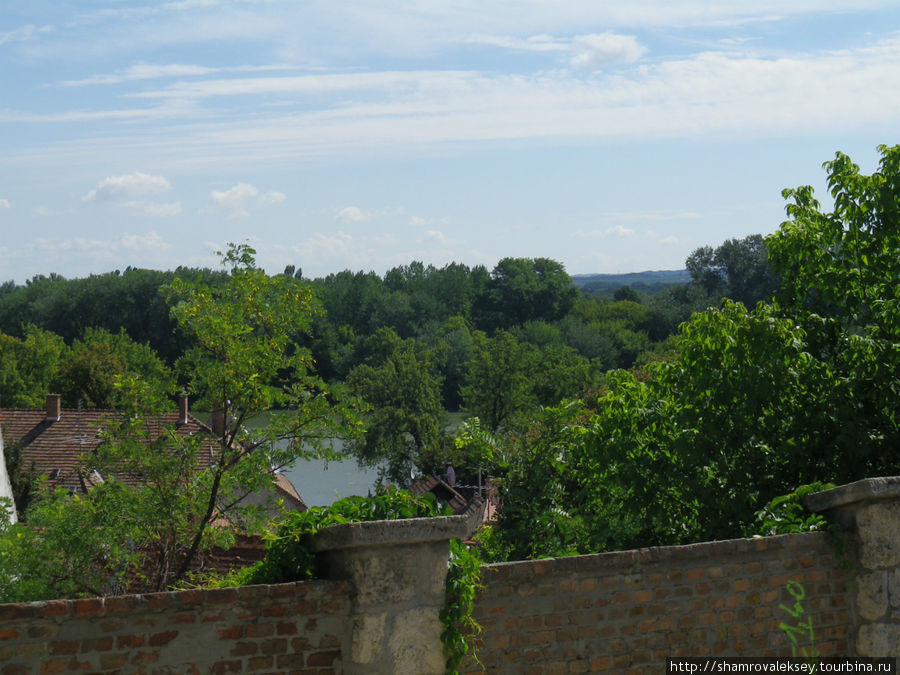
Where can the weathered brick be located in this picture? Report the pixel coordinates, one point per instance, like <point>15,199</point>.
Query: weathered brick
<point>235,632</point>
<point>87,607</point>
<point>97,644</point>
<point>244,649</point>
<point>322,658</point>
<point>257,630</point>
<point>64,647</point>
<point>130,641</point>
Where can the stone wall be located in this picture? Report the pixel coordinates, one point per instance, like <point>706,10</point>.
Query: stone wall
<point>626,612</point>
<point>869,512</point>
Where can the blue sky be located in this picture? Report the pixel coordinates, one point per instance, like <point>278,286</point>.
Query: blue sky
<point>613,137</point>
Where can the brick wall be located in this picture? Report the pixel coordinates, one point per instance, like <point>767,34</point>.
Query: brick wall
<point>280,628</point>
<point>627,612</point>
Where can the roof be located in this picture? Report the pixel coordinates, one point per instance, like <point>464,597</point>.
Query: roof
<point>56,446</point>
<point>442,491</point>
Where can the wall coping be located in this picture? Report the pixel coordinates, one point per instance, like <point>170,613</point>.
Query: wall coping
<point>390,533</point>
<point>865,490</point>
<point>613,561</point>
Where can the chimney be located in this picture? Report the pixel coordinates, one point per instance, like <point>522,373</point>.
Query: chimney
<point>182,410</point>
<point>218,422</point>
<point>54,411</point>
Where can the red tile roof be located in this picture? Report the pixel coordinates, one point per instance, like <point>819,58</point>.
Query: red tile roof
<point>57,448</point>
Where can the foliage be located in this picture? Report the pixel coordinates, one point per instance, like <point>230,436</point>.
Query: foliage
<point>246,360</point>
<point>401,383</point>
<point>525,289</point>
<point>71,546</point>
<point>498,386</point>
<point>28,366</point>
<point>786,514</point>
<point>153,512</point>
<point>737,269</point>
<point>543,510</point>
<point>840,274</point>
<point>288,557</point>
<point>91,366</point>
<point>751,403</point>
<point>463,582</point>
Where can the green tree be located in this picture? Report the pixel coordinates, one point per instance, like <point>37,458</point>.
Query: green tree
<point>525,289</point>
<point>400,381</point>
<point>246,360</point>
<point>71,546</point>
<point>737,269</point>
<point>28,367</point>
<point>91,366</point>
<point>154,510</point>
<point>499,387</point>
<point>751,403</point>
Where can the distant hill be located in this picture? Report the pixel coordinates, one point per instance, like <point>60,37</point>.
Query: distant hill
<point>649,282</point>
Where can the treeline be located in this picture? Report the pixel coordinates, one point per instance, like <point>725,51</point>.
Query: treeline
<point>94,327</point>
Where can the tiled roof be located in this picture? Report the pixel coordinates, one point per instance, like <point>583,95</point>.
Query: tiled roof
<point>56,448</point>
<point>442,491</point>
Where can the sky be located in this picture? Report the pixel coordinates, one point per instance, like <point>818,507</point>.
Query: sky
<point>365,134</point>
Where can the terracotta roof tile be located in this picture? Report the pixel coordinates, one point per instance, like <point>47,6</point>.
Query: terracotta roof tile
<point>57,448</point>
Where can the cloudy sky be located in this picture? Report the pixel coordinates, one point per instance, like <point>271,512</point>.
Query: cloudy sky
<point>363,134</point>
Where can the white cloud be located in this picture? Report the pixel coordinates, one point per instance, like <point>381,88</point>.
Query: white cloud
<point>435,236</point>
<point>24,33</point>
<point>670,240</point>
<point>233,200</point>
<point>4,204</point>
<point>154,208</point>
<point>589,52</point>
<point>270,198</point>
<point>137,184</point>
<point>124,191</point>
<point>351,214</point>
<point>618,231</point>
<point>594,52</point>
<point>416,221</point>
<point>151,240</point>
<point>535,43</point>
<point>338,245</point>
<point>150,71</point>
<point>126,248</point>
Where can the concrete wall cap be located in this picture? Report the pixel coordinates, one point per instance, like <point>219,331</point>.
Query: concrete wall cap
<point>865,490</point>
<point>390,532</point>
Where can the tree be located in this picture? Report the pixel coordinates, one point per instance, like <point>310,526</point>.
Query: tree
<point>154,511</point>
<point>738,269</point>
<point>399,380</point>
<point>246,360</point>
<point>525,289</point>
<point>28,367</point>
<point>750,404</point>
<point>498,387</point>
<point>91,366</point>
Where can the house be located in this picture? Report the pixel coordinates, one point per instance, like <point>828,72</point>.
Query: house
<point>6,491</point>
<point>55,440</point>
